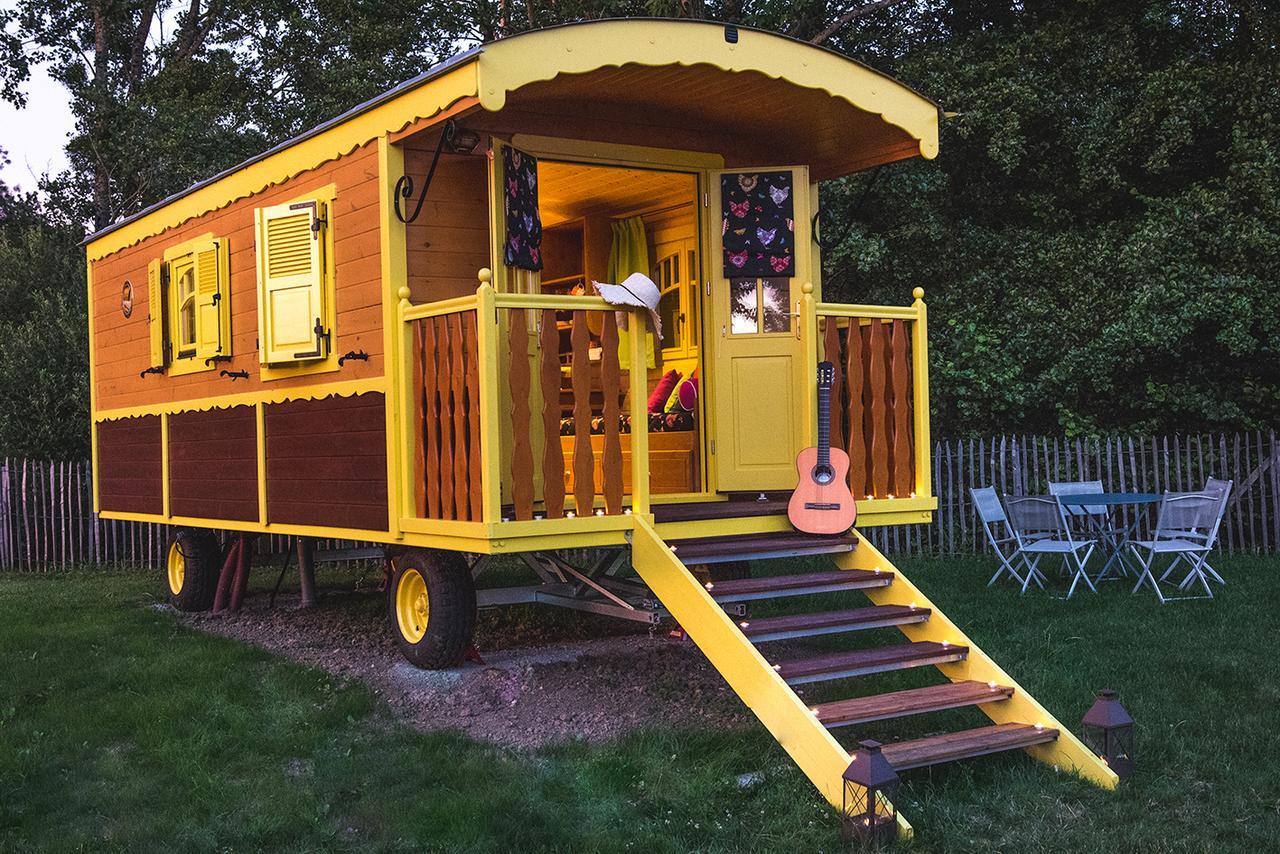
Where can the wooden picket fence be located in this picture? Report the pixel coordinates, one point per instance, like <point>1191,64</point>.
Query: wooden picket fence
<point>47,520</point>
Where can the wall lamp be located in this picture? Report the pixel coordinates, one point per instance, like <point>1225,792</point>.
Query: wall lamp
<point>454,140</point>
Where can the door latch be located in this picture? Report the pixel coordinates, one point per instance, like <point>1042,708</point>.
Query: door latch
<point>322,343</point>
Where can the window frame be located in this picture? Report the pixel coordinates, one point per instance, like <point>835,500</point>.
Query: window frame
<point>185,358</point>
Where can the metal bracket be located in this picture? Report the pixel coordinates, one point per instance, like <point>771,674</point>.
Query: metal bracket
<point>353,355</point>
<point>322,343</point>
<point>234,375</point>
<point>213,360</point>
<point>154,369</point>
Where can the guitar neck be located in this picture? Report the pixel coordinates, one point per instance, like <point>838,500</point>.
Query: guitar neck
<point>824,425</point>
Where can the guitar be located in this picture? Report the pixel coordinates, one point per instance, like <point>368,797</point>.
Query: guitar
<point>822,503</point>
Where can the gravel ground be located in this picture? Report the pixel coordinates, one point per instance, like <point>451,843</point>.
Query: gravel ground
<point>549,675</point>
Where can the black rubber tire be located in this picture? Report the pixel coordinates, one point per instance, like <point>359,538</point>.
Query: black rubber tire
<point>202,561</point>
<point>451,604</point>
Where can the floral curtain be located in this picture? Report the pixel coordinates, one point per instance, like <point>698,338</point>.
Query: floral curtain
<point>524,225</point>
<point>758,224</point>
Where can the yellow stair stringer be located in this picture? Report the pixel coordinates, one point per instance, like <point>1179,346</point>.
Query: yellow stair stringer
<point>810,745</point>
<point>1066,752</point>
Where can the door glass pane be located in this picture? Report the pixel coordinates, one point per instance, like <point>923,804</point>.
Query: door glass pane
<point>695,300</point>
<point>743,306</point>
<point>669,312</point>
<point>774,296</point>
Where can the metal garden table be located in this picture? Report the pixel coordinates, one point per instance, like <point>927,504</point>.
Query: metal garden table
<point>1115,538</point>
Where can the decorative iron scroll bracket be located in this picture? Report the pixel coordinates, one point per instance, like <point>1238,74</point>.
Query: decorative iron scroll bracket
<point>155,369</point>
<point>213,360</point>
<point>353,355</point>
<point>404,186</point>
<point>234,375</point>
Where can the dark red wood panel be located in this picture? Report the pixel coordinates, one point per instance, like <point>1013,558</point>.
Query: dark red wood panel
<point>327,462</point>
<point>213,464</point>
<point>130,472</point>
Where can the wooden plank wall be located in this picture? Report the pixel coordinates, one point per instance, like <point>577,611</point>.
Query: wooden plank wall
<point>327,462</point>
<point>130,476</point>
<point>47,520</point>
<point>213,464</point>
<point>449,241</point>
<point>120,346</point>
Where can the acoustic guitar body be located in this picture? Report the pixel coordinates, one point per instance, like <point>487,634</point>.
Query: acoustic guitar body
<point>822,503</point>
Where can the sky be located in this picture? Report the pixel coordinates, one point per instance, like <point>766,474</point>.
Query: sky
<point>35,136</point>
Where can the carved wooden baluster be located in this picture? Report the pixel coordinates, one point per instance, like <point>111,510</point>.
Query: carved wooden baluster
<point>475,476</point>
<point>444,371</point>
<point>903,455</point>
<point>854,373</point>
<point>521,450</point>
<point>611,380</point>
<point>552,451</point>
<point>831,352</point>
<point>461,470</point>
<point>584,476</point>
<point>419,423</point>
<point>431,399</point>
<point>879,390</point>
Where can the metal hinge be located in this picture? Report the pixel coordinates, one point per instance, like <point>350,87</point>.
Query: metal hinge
<point>322,343</point>
<point>713,446</point>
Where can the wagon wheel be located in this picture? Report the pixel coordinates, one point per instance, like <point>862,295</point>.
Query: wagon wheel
<point>192,564</point>
<point>431,605</point>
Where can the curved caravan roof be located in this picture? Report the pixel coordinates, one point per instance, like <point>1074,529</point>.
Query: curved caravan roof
<point>786,101</point>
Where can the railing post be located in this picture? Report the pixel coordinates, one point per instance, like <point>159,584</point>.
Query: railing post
<point>920,387</point>
<point>638,340</point>
<point>808,332</point>
<point>488,334</point>
<point>407,503</point>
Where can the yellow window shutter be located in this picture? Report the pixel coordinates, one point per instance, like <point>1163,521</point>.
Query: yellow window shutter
<point>291,287</point>
<point>213,303</point>
<point>157,316</point>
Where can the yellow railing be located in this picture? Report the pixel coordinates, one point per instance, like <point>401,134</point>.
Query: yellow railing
<point>476,456</point>
<point>880,402</point>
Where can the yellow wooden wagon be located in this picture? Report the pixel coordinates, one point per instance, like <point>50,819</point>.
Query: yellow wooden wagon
<point>386,330</point>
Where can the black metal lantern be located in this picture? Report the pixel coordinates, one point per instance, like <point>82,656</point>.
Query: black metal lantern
<point>1108,731</point>
<point>867,810</point>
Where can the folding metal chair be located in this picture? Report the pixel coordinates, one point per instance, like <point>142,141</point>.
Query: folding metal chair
<point>1214,486</point>
<point>1041,528</point>
<point>1095,517</point>
<point>1186,528</point>
<point>999,533</point>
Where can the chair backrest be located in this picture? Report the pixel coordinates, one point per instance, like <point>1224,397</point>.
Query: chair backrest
<point>1079,487</point>
<point>1035,517</point>
<point>987,503</point>
<point>1214,485</point>
<point>1191,516</point>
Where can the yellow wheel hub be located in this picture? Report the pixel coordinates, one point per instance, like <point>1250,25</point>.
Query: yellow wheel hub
<point>177,569</point>
<point>412,606</point>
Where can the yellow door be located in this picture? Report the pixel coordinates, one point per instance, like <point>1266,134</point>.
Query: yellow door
<point>754,376</point>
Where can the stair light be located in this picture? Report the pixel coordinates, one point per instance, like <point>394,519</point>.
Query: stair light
<point>991,685</point>
<point>743,624</point>
<point>569,514</point>
<point>1107,730</point>
<point>867,812</point>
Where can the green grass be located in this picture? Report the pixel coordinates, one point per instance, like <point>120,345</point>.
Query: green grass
<point>121,730</point>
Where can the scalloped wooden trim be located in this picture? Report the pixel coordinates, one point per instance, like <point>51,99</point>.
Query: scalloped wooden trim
<point>347,388</point>
<point>427,101</point>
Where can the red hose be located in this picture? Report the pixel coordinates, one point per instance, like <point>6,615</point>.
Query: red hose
<point>229,565</point>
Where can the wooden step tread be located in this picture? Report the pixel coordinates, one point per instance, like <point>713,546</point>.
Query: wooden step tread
<point>829,622</point>
<point>913,701</point>
<point>840,579</point>
<point>859,662</point>
<point>759,547</point>
<point>934,750</point>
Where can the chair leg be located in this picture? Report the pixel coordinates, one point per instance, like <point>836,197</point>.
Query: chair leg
<point>1145,575</point>
<point>1177,559</point>
<point>1080,572</point>
<point>1213,573</point>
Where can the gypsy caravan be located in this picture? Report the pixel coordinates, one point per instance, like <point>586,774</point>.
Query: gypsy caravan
<point>388,330</point>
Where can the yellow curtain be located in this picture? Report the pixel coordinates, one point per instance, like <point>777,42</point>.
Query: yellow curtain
<point>629,254</point>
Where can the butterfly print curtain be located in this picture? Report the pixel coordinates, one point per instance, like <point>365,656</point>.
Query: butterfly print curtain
<point>524,225</point>
<point>759,227</point>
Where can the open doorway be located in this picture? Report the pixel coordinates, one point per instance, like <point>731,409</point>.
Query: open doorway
<point>602,223</point>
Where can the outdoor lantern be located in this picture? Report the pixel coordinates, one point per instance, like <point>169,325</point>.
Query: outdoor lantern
<point>867,810</point>
<point>1108,731</point>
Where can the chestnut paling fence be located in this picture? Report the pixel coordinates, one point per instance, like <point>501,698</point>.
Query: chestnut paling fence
<point>47,521</point>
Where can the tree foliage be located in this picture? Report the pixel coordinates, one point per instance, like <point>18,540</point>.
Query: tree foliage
<point>1098,237</point>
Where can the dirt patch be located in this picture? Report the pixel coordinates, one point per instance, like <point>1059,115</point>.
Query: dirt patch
<point>586,678</point>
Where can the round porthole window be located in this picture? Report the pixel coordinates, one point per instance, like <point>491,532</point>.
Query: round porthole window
<point>126,299</point>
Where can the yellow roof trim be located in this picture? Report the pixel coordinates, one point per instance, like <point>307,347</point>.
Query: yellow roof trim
<point>343,138</point>
<point>540,55</point>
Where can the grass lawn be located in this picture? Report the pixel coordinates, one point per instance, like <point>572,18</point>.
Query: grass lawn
<point>120,730</point>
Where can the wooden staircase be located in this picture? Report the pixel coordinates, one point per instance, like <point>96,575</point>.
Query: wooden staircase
<point>739,647</point>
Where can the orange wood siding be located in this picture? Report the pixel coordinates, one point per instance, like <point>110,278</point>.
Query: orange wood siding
<point>130,478</point>
<point>327,462</point>
<point>120,346</point>
<point>449,241</point>
<point>213,464</point>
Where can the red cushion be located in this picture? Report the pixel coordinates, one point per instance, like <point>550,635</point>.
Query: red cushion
<point>660,394</point>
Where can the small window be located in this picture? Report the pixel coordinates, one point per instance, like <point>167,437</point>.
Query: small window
<point>189,311</point>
